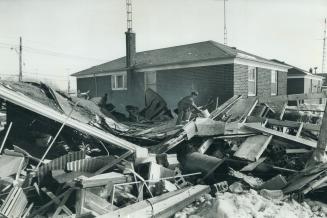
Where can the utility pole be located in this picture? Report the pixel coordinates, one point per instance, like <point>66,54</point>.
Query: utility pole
<point>324,51</point>
<point>20,76</point>
<point>225,25</point>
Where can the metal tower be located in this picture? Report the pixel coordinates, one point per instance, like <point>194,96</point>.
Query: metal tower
<point>225,25</point>
<point>129,15</point>
<point>324,51</point>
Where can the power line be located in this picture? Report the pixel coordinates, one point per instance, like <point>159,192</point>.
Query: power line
<point>51,52</point>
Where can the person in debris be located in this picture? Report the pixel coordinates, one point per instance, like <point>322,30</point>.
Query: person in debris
<point>185,106</point>
<point>103,100</point>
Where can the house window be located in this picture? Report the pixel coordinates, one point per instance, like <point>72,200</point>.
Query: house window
<point>273,82</point>
<point>252,81</point>
<point>119,81</point>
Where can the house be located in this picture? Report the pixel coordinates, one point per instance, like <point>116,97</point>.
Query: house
<point>300,81</point>
<point>213,69</point>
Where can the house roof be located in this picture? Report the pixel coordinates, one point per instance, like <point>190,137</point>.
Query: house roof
<point>295,72</point>
<point>183,54</point>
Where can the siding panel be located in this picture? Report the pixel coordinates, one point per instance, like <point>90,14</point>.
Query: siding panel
<point>211,82</point>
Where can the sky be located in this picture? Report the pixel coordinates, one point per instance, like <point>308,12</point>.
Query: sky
<point>61,37</point>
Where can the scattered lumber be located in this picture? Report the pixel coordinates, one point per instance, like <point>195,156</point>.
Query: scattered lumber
<point>294,97</point>
<point>259,128</point>
<point>161,206</point>
<point>253,147</point>
<point>101,167</point>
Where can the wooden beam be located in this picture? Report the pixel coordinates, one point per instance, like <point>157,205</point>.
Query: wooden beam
<point>61,205</point>
<point>258,127</point>
<point>295,97</point>
<point>164,205</point>
<point>298,134</point>
<point>222,108</point>
<point>253,147</point>
<point>288,123</point>
<point>113,163</point>
<point>319,154</point>
<point>24,101</point>
<point>56,201</point>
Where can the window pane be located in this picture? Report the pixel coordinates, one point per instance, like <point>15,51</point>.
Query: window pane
<point>273,76</point>
<point>119,81</point>
<point>113,83</point>
<point>125,81</point>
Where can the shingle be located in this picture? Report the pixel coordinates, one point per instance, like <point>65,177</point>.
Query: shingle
<point>201,51</point>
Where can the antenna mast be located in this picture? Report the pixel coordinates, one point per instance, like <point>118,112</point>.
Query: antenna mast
<point>324,51</point>
<point>225,25</point>
<point>129,14</point>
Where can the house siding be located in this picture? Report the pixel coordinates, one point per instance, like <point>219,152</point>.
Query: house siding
<point>98,86</point>
<point>295,86</point>
<point>263,81</point>
<point>211,82</point>
<point>282,83</point>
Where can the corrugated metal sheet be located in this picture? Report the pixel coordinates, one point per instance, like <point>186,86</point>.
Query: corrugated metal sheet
<point>90,164</point>
<point>59,163</point>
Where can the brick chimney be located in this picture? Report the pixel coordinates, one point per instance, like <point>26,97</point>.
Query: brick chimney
<point>130,48</point>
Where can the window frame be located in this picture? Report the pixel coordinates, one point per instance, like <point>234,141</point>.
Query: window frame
<point>254,80</point>
<point>114,81</point>
<point>274,82</point>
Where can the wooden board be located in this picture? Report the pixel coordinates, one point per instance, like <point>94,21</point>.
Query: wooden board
<point>164,205</point>
<point>10,165</point>
<point>24,101</point>
<point>295,97</point>
<point>252,148</point>
<point>291,138</point>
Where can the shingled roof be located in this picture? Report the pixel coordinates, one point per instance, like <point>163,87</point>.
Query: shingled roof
<point>183,54</point>
<point>295,71</point>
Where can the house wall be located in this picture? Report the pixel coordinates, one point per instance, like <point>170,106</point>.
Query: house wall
<point>98,86</point>
<point>222,81</point>
<point>295,86</point>
<point>263,81</point>
<point>310,86</point>
<point>211,82</point>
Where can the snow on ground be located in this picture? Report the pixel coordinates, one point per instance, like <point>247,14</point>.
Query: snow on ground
<point>248,205</point>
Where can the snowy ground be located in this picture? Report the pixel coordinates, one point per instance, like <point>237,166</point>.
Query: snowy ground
<point>250,204</point>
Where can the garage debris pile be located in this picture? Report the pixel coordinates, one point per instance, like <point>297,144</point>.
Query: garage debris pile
<point>65,156</point>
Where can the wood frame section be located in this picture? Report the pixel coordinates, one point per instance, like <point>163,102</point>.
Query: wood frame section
<point>29,104</point>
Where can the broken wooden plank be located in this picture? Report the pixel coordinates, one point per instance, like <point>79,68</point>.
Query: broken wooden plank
<point>253,147</point>
<point>314,185</point>
<point>294,97</point>
<point>10,165</point>
<point>28,103</point>
<point>286,123</point>
<point>14,204</point>
<point>258,127</point>
<point>222,108</point>
<point>298,134</point>
<point>164,205</point>
<point>97,204</point>
<point>42,209</point>
<point>276,183</point>
<point>205,145</point>
<point>113,163</point>
<point>62,203</point>
<point>253,165</point>
<point>319,154</point>
<point>297,151</point>
<point>56,201</point>
<point>5,138</point>
<point>100,180</point>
